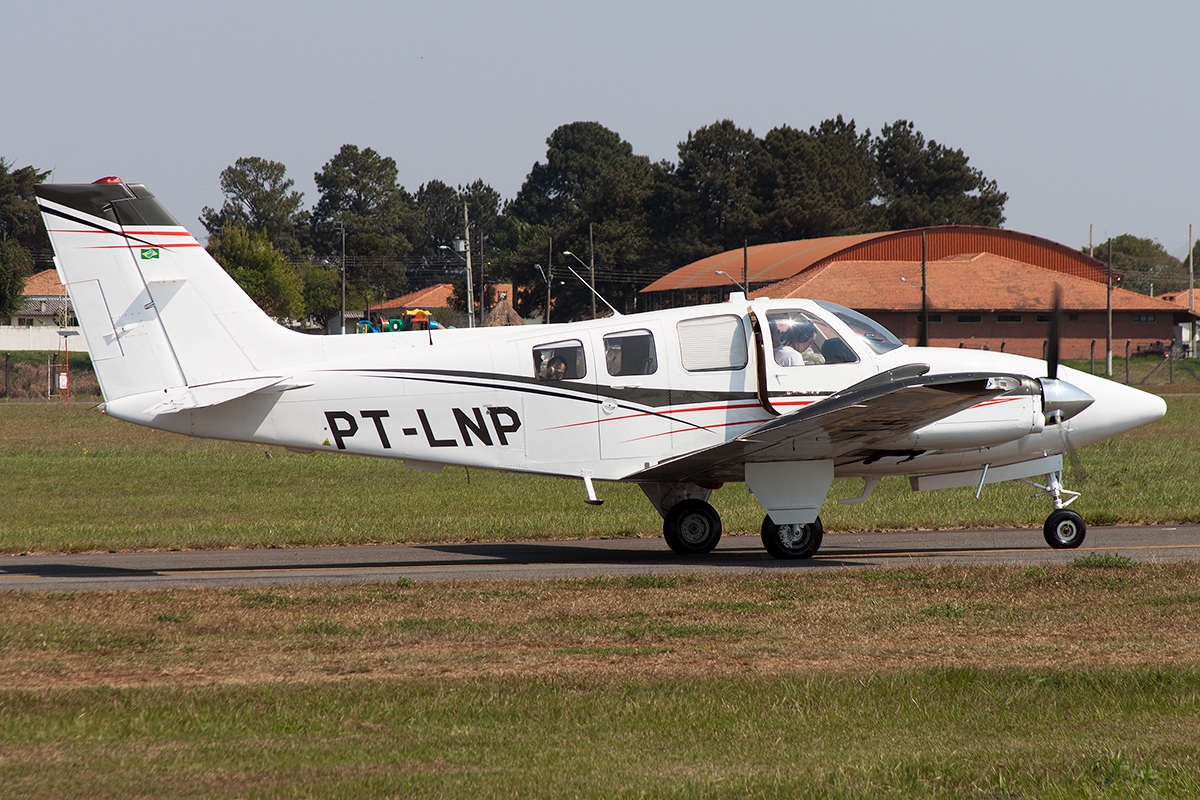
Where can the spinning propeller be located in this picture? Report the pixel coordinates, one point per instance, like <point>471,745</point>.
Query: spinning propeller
<point>1061,400</point>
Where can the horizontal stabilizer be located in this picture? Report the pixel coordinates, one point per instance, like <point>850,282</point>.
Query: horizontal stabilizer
<point>211,394</point>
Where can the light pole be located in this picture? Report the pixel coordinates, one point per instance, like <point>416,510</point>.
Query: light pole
<point>592,285</point>
<point>731,280</point>
<point>342,226</point>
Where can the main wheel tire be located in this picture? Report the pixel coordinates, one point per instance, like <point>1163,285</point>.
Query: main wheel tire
<point>792,541</point>
<point>692,527</point>
<point>1064,530</point>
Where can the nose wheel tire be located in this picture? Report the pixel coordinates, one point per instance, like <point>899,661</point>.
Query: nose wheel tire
<point>692,527</point>
<point>792,541</point>
<point>1064,530</point>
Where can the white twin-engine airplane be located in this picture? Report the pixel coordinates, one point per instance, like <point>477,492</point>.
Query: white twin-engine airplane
<point>677,401</point>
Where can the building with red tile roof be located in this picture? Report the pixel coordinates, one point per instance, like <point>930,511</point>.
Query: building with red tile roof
<point>764,264</point>
<point>986,301</point>
<point>44,304</point>
<point>988,287</point>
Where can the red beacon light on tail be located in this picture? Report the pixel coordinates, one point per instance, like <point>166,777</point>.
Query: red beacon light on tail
<point>109,179</point>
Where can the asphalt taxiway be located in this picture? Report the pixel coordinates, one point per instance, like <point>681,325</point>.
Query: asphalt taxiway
<point>571,559</point>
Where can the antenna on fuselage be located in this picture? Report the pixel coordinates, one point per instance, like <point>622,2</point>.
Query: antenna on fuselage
<point>588,285</point>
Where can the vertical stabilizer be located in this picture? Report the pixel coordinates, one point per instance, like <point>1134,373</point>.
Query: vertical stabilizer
<point>157,311</point>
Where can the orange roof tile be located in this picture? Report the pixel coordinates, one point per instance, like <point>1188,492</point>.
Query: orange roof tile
<point>436,296</point>
<point>767,262</point>
<point>979,281</point>
<point>45,282</point>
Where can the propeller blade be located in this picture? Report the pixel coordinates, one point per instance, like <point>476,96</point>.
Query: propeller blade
<point>1052,344</point>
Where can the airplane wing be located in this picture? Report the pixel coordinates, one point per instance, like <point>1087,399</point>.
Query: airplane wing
<point>843,427</point>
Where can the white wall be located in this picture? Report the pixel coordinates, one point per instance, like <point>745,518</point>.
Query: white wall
<point>40,337</point>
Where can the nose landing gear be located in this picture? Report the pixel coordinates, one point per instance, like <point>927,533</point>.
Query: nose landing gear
<point>1064,530</point>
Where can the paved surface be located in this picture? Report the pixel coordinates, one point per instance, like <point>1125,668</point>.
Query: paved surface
<point>570,559</point>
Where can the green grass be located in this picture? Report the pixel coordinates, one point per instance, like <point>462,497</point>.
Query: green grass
<point>950,682</point>
<point>1150,372</point>
<point>930,733</point>
<point>75,480</point>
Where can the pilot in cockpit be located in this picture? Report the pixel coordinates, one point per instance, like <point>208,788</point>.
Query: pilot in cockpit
<point>794,342</point>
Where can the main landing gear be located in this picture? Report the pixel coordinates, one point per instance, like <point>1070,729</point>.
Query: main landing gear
<point>792,541</point>
<point>1064,529</point>
<point>692,527</point>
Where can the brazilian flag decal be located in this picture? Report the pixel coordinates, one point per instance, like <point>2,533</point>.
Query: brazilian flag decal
<point>149,252</point>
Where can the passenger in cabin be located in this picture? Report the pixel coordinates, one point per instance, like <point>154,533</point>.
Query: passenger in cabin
<point>556,370</point>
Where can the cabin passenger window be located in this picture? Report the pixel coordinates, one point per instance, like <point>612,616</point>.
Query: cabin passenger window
<point>559,361</point>
<point>630,353</point>
<point>712,343</point>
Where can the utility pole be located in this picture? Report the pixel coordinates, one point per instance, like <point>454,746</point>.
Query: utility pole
<point>1192,305</point>
<point>467,245</point>
<point>746,267</point>
<point>924,329</point>
<point>592,258</point>
<point>549,277</point>
<point>1108,335</point>
<point>342,225</point>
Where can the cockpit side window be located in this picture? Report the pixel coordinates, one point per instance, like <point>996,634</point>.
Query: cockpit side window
<point>877,337</point>
<point>630,353</point>
<point>559,361</point>
<point>798,338</point>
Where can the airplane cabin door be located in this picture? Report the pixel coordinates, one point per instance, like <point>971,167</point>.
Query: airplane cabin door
<point>802,357</point>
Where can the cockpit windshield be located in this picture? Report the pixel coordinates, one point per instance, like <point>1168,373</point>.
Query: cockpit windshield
<point>877,337</point>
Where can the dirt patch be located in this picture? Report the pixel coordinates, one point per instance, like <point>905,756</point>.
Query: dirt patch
<point>709,626</point>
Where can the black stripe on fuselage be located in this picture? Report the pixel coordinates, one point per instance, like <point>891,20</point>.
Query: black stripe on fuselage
<point>594,395</point>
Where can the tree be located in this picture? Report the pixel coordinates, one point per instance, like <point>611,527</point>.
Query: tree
<point>1143,265</point>
<point>260,269</point>
<point>359,189</point>
<point>709,202</point>
<point>15,266</point>
<point>591,183</point>
<point>439,219</point>
<point>924,183</point>
<point>819,182</point>
<point>22,236</point>
<point>322,292</point>
<point>259,197</point>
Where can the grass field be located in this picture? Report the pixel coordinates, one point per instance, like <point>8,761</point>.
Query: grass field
<point>1074,681</point>
<point>77,480</point>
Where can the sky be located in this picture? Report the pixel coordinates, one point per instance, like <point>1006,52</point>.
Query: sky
<point>1083,113</point>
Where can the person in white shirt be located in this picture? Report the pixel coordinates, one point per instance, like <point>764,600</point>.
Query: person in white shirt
<point>795,343</point>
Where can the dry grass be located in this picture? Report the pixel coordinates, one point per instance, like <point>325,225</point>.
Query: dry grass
<point>641,627</point>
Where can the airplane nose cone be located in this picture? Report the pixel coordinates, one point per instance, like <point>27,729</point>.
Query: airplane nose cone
<point>1147,407</point>
<point>1118,408</point>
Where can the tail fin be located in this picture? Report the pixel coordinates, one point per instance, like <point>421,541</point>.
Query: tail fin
<point>157,311</point>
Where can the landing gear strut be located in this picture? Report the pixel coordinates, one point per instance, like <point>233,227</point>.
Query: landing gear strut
<point>1064,530</point>
<point>692,527</point>
<point>792,541</point>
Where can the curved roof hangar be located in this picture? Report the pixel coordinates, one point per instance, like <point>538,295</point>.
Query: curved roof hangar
<point>771,263</point>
